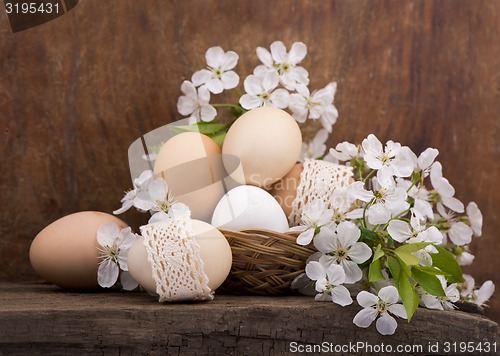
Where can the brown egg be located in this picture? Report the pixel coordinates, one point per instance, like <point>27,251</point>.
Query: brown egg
<point>66,252</point>
<point>285,190</point>
<point>267,141</point>
<point>187,162</point>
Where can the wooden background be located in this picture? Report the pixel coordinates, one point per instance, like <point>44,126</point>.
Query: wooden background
<point>76,91</point>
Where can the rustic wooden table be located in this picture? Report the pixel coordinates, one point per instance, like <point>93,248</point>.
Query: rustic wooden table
<point>41,319</point>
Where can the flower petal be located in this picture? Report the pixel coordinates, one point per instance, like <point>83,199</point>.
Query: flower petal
<point>297,52</point>
<point>460,234</point>
<point>366,299</point>
<point>249,101</point>
<point>427,157</point>
<point>264,56</point>
<point>279,98</point>
<point>348,234</point>
<point>278,51</point>
<point>214,56</point>
<point>365,317</point>
<point>107,234</point>
<point>229,61</point>
<point>200,77</point>
<point>389,294</point>
<point>128,283</point>
<point>398,310</point>
<point>386,324</point>
<point>399,230</point>
<point>315,271</point>
<point>336,274</point>
<point>230,80</point>
<point>306,237</point>
<point>359,252</point>
<point>341,296</point>
<point>352,271</point>
<point>214,85</point>
<point>107,273</point>
<point>207,113</point>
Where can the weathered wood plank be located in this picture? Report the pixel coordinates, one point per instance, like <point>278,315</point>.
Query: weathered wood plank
<point>76,91</point>
<point>41,319</point>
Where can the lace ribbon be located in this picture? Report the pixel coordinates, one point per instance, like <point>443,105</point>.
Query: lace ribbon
<point>318,180</point>
<point>174,256</point>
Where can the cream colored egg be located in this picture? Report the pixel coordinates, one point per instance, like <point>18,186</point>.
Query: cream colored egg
<point>215,253</point>
<point>247,207</point>
<point>267,140</point>
<point>66,252</point>
<point>186,161</point>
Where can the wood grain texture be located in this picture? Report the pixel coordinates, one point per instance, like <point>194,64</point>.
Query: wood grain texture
<point>41,319</point>
<point>75,92</point>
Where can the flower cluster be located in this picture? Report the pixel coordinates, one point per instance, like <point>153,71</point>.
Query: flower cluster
<point>279,81</point>
<point>150,194</point>
<point>397,229</point>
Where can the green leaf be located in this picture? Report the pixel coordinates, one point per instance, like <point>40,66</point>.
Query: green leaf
<point>211,128</point>
<point>446,262</point>
<point>394,267</point>
<point>377,253</point>
<point>405,268</point>
<point>375,271</point>
<point>409,248</point>
<point>369,234</point>
<point>219,138</point>
<point>206,128</point>
<point>408,295</point>
<point>431,270</point>
<point>428,282</point>
<point>408,258</point>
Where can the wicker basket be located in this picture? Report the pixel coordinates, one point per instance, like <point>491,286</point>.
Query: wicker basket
<point>264,262</point>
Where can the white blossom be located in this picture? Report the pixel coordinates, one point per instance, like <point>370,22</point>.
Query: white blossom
<point>261,91</point>
<point>341,202</point>
<point>157,196</point>
<point>421,206</point>
<point>114,245</point>
<point>444,189</point>
<point>177,211</point>
<point>218,76</point>
<point>329,282</point>
<point>465,258</point>
<point>475,218</point>
<point>458,232</point>
<point>467,286</point>
<point>386,201</point>
<point>451,292</point>
<point>315,148</point>
<point>484,293</point>
<point>341,246</point>
<point>195,103</point>
<point>344,151</point>
<point>130,199</point>
<point>283,63</point>
<point>393,160</point>
<point>386,302</point>
<point>315,215</point>
<point>315,106</point>
<point>415,232</point>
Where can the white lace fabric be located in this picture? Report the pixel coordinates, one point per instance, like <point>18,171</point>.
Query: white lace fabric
<point>318,180</point>
<point>174,256</point>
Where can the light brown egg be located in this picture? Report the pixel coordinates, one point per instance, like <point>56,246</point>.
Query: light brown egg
<point>66,252</point>
<point>215,253</point>
<point>285,190</point>
<point>267,140</point>
<point>186,162</point>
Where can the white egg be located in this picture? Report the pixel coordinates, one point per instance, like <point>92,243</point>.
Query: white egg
<point>215,253</point>
<point>249,207</point>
